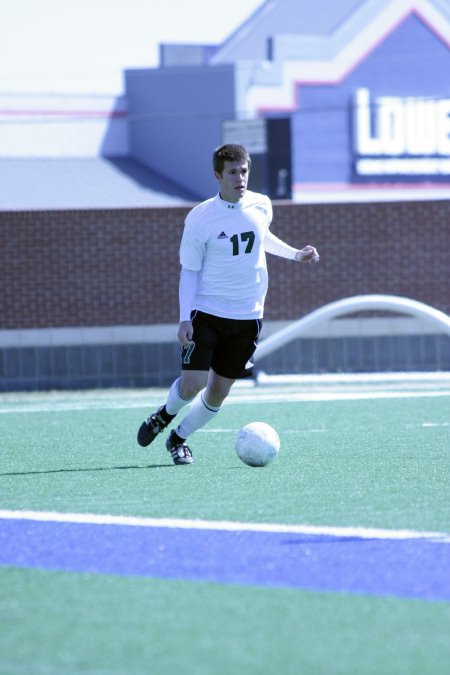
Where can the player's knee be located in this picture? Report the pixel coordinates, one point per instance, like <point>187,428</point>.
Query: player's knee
<point>214,399</point>
<point>190,386</point>
<point>216,393</point>
<point>189,391</point>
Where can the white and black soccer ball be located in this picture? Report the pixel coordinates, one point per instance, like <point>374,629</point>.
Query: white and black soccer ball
<point>257,444</point>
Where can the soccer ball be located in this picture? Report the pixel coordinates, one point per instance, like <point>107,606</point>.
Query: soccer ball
<point>257,444</point>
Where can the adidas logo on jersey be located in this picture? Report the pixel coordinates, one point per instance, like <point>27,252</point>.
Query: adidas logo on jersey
<point>222,235</point>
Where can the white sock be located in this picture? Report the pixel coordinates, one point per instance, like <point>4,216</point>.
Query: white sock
<point>199,415</point>
<point>174,401</point>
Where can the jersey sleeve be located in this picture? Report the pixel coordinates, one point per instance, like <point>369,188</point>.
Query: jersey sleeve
<point>192,247</point>
<point>186,293</point>
<point>264,204</point>
<point>276,246</point>
<point>269,210</point>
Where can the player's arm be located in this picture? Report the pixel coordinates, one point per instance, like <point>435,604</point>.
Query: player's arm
<point>276,246</point>
<point>186,292</point>
<point>192,253</point>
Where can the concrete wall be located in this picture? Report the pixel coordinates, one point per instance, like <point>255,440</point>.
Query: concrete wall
<point>175,121</point>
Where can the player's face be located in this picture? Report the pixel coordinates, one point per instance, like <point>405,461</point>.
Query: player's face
<point>233,181</point>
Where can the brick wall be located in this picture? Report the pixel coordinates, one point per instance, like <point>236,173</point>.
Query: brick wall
<point>120,267</point>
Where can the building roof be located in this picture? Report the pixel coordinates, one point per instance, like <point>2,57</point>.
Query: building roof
<point>320,18</point>
<point>317,30</point>
<point>99,182</point>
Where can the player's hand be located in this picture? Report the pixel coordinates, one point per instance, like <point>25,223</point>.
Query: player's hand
<point>185,332</point>
<point>307,254</point>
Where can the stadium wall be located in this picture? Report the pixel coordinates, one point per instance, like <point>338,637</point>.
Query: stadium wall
<point>90,297</point>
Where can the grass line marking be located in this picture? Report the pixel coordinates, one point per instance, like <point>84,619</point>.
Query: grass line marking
<point>223,525</point>
<point>255,398</point>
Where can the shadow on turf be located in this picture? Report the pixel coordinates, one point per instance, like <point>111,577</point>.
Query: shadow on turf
<point>86,470</point>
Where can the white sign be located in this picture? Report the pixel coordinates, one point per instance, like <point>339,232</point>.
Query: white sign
<point>249,133</point>
<point>414,131</point>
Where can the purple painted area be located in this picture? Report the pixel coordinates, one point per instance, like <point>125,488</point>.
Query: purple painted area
<point>322,143</point>
<point>409,568</point>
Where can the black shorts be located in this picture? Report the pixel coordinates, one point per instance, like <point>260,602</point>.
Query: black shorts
<point>225,345</point>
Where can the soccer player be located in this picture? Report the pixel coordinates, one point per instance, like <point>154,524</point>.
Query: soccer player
<point>223,284</point>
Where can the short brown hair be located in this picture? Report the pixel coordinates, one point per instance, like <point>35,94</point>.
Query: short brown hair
<point>229,153</point>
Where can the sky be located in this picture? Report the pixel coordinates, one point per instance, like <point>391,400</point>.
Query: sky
<point>83,46</point>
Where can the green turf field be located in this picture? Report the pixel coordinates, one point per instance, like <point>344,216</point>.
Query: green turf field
<point>374,456</point>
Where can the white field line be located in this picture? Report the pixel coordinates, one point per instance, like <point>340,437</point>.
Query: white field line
<point>435,377</point>
<point>221,430</point>
<point>435,424</point>
<point>255,398</point>
<point>222,525</point>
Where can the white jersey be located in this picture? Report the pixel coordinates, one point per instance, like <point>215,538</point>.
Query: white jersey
<point>223,241</point>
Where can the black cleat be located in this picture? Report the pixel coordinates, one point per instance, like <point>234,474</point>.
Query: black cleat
<point>180,452</point>
<point>149,429</point>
